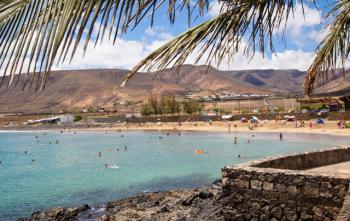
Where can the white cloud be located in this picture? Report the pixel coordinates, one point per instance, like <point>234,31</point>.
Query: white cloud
<point>214,8</point>
<point>288,59</point>
<point>123,54</point>
<point>126,53</point>
<point>300,28</point>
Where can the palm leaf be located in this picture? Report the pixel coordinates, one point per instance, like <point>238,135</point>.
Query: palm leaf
<point>220,37</point>
<point>37,33</point>
<point>334,50</point>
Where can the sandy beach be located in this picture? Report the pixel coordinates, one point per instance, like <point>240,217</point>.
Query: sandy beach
<point>330,127</point>
<point>269,126</point>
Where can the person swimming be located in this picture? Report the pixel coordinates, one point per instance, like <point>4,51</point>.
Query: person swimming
<point>33,160</point>
<point>125,148</point>
<point>248,141</point>
<point>25,152</point>
<point>99,154</point>
<point>239,156</point>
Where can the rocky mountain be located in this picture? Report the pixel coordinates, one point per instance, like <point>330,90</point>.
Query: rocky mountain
<point>83,88</point>
<point>280,81</point>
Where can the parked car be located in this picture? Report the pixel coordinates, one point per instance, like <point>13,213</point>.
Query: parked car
<point>324,111</point>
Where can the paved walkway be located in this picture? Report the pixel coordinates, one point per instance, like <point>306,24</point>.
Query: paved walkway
<point>344,214</point>
<point>340,169</point>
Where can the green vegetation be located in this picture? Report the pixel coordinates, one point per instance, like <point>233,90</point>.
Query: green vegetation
<point>166,105</point>
<point>191,107</point>
<point>78,117</point>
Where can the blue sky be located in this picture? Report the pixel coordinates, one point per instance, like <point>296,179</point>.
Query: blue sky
<point>303,34</point>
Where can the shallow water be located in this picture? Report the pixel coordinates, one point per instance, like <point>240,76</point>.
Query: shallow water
<point>71,173</point>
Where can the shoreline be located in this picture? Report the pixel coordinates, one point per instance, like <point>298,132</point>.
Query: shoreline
<point>330,128</point>
<point>202,203</point>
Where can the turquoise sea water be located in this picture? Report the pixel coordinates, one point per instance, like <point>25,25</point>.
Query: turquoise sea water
<point>71,173</point>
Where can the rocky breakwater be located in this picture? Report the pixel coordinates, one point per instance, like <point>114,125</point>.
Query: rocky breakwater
<point>283,188</point>
<point>193,204</point>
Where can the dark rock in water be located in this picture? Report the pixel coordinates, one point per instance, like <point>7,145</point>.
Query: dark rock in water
<point>164,209</point>
<point>56,214</point>
<point>189,200</point>
<point>205,194</point>
<point>202,204</point>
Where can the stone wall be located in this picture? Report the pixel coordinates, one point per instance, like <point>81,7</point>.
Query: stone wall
<point>307,160</point>
<point>256,193</point>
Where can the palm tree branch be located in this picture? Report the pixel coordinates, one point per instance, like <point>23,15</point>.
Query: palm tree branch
<point>51,27</point>
<point>334,49</point>
<point>223,35</point>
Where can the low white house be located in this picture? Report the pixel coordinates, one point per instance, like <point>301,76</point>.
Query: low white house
<point>66,119</point>
<point>63,119</point>
<point>133,115</point>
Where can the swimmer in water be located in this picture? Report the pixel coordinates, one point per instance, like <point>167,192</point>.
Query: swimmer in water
<point>122,135</point>
<point>281,136</point>
<point>117,149</point>
<point>25,152</point>
<point>33,160</point>
<point>36,137</point>
<point>125,148</point>
<point>239,156</point>
<point>248,141</point>
<point>99,154</point>
<point>235,140</point>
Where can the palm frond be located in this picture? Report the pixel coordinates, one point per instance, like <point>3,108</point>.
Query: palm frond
<point>220,37</point>
<point>37,33</point>
<point>334,50</point>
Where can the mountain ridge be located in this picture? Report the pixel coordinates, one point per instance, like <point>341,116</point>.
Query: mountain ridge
<point>98,87</point>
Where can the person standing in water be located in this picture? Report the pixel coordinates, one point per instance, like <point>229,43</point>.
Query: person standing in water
<point>281,136</point>
<point>235,140</point>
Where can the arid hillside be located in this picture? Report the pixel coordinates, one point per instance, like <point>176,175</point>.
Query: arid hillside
<point>83,88</point>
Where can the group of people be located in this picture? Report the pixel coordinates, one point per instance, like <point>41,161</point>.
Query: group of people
<point>108,165</point>
<point>341,124</point>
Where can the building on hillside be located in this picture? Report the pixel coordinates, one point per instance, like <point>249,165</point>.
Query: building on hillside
<point>132,115</point>
<point>63,119</point>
